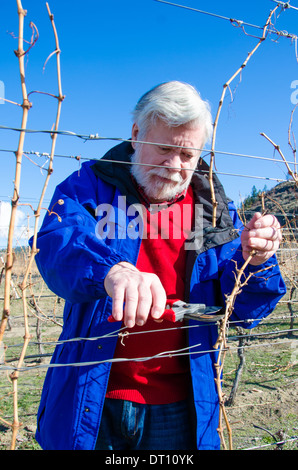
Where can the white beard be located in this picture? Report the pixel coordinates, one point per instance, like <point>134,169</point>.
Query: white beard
<point>155,189</point>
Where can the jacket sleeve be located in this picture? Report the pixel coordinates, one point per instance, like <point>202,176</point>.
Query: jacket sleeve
<point>72,260</point>
<point>265,286</point>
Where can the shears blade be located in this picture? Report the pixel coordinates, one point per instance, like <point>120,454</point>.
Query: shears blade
<point>178,310</point>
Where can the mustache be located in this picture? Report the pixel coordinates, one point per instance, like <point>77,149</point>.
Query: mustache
<point>165,173</point>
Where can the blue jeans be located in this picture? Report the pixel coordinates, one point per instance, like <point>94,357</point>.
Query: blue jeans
<point>132,426</point>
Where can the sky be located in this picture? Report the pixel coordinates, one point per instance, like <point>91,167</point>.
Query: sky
<point>114,51</point>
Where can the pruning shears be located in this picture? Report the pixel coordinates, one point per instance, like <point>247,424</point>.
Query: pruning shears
<point>178,310</point>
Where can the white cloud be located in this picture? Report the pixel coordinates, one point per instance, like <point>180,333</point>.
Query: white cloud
<point>21,225</point>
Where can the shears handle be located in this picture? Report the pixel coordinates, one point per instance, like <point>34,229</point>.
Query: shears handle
<point>168,314</point>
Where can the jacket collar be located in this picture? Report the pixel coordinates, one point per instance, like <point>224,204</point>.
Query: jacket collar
<point>114,168</point>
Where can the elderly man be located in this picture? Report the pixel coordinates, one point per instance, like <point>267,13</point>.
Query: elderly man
<point>144,382</point>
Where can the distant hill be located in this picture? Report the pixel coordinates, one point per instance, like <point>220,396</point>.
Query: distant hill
<point>281,200</point>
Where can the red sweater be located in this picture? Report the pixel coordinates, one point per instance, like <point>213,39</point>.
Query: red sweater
<point>159,380</point>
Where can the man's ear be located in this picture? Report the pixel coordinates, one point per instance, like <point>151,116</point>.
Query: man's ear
<point>134,134</point>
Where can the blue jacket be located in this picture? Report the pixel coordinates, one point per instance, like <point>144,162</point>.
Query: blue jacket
<point>73,260</point>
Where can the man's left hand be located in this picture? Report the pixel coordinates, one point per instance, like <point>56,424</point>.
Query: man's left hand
<point>261,235</point>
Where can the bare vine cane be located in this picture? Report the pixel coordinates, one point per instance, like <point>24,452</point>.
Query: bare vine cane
<point>26,106</point>
<point>225,86</point>
<point>292,173</point>
<point>221,344</point>
<point>60,97</point>
<point>291,136</point>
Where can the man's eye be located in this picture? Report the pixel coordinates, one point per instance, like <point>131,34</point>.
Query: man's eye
<point>164,149</point>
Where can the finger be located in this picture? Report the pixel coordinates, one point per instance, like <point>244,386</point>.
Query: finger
<point>159,299</point>
<point>144,304</point>
<point>262,244</point>
<point>268,220</point>
<point>115,288</point>
<point>268,233</point>
<point>131,303</point>
<point>259,221</point>
<point>260,257</point>
<point>117,304</point>
<point>253,221</point>
<point>262,251</point>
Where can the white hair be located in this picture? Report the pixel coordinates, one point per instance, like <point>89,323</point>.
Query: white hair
<point>175,103</point>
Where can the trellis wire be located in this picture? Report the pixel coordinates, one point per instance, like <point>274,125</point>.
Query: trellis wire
<point>233,21</point>
<point>97,137</point>
<point>116,332</point>
<point>165,354</point>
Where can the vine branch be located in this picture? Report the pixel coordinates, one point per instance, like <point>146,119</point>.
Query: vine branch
<point>20,53</point>
<point>293,174</point>
<point>225,87</point>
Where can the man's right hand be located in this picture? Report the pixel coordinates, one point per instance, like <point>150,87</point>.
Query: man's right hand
<point>136,295</point>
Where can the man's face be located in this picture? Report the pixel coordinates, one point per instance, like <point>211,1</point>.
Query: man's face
<point>177,164</point>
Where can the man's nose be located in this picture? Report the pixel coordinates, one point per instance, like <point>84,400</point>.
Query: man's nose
<point>173,161</point>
